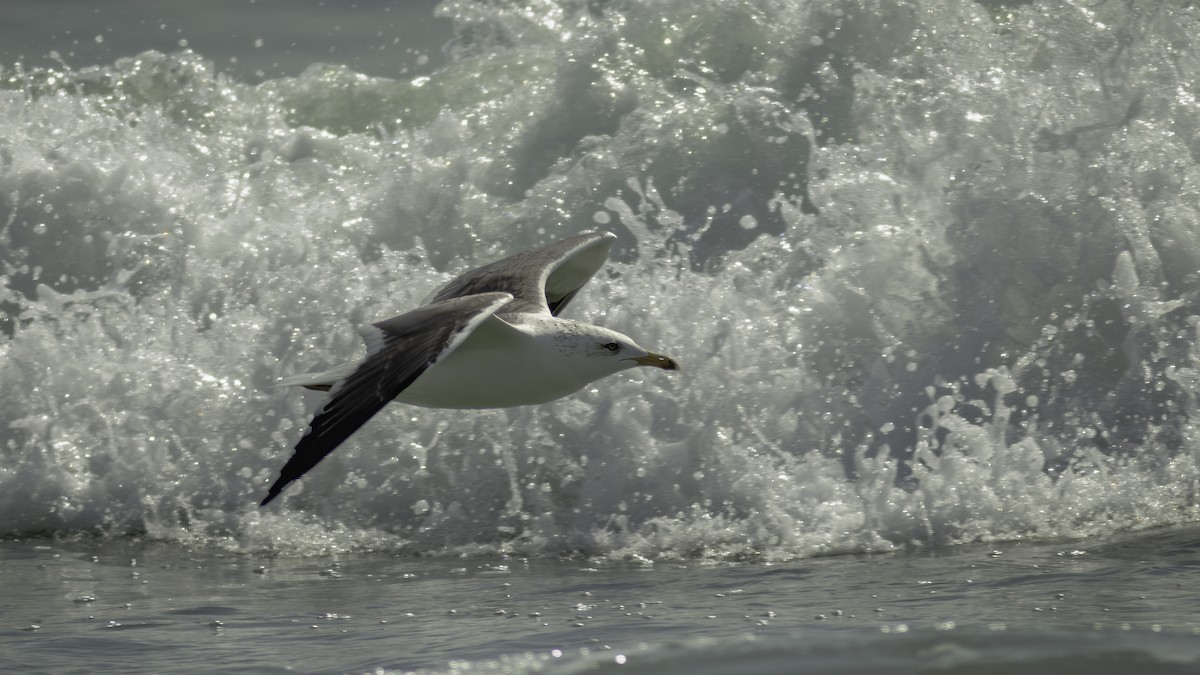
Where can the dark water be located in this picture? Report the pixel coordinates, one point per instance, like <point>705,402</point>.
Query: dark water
<point>930,268</point>
<point>248,39</point>
<point>1121,605</point>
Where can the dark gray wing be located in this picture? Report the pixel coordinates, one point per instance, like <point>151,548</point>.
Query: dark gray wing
<point>542,280</point>
<point>403,348</point>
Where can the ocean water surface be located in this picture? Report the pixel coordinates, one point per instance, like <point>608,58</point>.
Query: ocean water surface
<point>929,266</point>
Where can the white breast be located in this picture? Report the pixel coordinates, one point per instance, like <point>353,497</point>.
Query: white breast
<point>498,366</point>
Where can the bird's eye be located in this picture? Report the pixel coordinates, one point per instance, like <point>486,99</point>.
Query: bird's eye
<point>612,347</point>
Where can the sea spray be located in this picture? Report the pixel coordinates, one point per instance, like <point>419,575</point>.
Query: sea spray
<point>929,270</point>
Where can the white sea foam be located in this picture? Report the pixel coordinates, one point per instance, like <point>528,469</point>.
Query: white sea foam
<point>966,310</point>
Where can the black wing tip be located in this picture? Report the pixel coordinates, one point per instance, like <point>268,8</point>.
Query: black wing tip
<point>275,491</point>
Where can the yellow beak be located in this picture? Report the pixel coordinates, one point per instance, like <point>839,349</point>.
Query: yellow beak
<point>658,361</point>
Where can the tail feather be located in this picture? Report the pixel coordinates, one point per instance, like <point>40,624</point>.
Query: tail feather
<point>322,381</point>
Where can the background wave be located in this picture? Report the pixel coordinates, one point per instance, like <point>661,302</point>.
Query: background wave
<point>929,268</point>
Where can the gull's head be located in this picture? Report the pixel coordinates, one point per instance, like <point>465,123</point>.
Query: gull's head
<point>601,352</point>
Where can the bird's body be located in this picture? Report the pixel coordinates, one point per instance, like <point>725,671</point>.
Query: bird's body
<point>502,363</point>
<point>491,338</point>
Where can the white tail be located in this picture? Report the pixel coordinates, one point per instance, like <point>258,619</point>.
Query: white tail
<point>322,381</point>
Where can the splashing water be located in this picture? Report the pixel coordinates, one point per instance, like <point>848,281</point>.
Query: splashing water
<point>929,268</point>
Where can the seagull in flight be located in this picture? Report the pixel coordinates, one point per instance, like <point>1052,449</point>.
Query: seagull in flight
<point>490,338</point>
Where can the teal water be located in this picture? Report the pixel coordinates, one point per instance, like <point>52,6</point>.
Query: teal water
<point>1121,605</point>
<point>249,39</point>
<point>929,268</point>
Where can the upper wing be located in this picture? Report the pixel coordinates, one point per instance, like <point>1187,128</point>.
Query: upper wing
<point>400,350</point>
<point>542,280</point>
